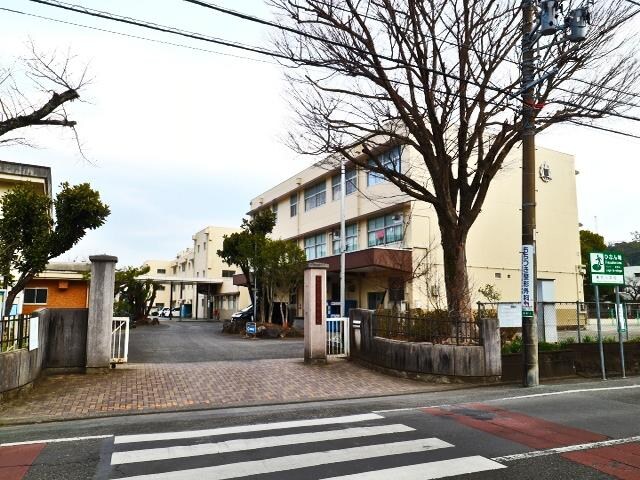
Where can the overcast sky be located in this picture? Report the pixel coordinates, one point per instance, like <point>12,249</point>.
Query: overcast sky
<point>179,139</point>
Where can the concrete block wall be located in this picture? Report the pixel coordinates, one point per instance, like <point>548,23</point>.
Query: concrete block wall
<point>421,358</point>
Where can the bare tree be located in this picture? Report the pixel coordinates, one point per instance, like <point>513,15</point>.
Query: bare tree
<point>632,288</point>
<point>441,77</point>
<point>35,91</point>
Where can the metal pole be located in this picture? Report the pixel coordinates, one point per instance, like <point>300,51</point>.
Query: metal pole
<point>578,320</point>
<point>343,239</point>
<point>529,325</point>
<point>620,320</point>
<point>602,369</point>
<point>170,299</point>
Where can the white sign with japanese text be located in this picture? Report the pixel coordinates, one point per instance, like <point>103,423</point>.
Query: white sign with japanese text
<point>528,283</point>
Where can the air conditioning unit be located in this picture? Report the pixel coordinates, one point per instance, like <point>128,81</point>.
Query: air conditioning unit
<point>397,218</point>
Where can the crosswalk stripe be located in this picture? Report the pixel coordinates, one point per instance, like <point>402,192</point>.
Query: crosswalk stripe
<point>292,462</point>
<point>237,445</point>
<point>428,471</point>
<point>152,437</point>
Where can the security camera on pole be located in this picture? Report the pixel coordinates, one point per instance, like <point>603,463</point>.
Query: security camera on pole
<point>539,19</point>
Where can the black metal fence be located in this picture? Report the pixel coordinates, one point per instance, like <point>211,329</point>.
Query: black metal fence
<point>15,332</point>
<point>430,327</point>
<point>571,321</point>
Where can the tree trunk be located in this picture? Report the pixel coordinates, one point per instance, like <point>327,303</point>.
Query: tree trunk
<point>456,280</point>
<point>13,293</point>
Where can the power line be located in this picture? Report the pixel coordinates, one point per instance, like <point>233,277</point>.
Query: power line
<point>262,21</point>
<point>157,27</point>
<point>138,37</point>
<point>604,129</point>
<point>197,36</point>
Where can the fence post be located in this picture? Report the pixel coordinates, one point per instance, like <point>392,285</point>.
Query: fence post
<point>20,331</point>
<point>578,320</point>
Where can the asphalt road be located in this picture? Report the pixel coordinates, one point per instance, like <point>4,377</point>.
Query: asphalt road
<point>174,341</point>
<point>480,433</point>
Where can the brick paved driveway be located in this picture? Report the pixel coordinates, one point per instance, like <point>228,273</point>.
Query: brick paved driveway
<point>156,387</point>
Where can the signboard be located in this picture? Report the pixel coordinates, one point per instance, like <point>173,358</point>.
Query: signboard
<point>528,284</point>
<point>606,268</point>
<point>33,333</point>
<point>251,328</point>
<point>510,315</point>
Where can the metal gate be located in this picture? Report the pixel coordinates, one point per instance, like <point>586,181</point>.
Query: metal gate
<point>337,337</point>
<point>119,340</point>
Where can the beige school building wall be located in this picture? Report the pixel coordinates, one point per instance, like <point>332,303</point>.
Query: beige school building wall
<point>200,261</point>
<point>493,248</point>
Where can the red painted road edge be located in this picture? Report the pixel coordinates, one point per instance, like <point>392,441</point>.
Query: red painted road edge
<point>15,461</point>
<point>619,461</point>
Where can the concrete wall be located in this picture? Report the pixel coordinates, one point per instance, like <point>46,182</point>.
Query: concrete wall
<point>62,345</point>
<point>421,358</point>
<point>67,338</point>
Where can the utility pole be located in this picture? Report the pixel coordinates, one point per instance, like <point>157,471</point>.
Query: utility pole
<point>528,290</point>
<point>343,239</point>
<point>539,18</point>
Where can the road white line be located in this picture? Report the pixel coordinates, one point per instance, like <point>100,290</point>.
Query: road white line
<point>261,427</point>
<point>292,462</point>
<point>570,448</point>
<point>237,445</point>
<point>518,397</point>
<point>427,471</point>
<point>55,440</point>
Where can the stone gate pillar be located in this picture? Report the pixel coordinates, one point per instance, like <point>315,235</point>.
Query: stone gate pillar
<point>103,271</point>
<point>315,313</point>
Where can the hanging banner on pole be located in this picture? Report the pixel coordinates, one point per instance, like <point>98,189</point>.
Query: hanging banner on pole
<point>527,292</point>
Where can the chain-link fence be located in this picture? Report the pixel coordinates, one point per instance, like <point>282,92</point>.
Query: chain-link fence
<point>569,321</point>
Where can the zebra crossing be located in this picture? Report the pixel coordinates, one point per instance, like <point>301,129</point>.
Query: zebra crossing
<point>352,447</point>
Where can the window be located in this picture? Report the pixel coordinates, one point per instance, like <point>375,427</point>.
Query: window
<point>315,246</point>
<point>351,181</point>
<point>498,275</point>
<point>636,274</point>
<point>161,271</point>
<point>274,209</point>
<point>204,245</point>
<point>315,196</point>
<point>389,160</point>
<point>351,240</point>
<point>161,288</point>
<point>35,295</point>
<point>198,248</point>
<point>233,302</point>
<point>228,273</point>
<point>293,204</point>
<point>385,229</point>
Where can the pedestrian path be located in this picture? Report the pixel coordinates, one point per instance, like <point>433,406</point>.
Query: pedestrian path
<point>137,388</point>
<point>363,447</point>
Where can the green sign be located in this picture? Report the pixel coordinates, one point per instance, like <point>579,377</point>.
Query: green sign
<point>606,268</point>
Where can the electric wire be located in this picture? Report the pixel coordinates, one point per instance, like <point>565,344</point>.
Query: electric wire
<point>137,37</point>
<point>223,42</point>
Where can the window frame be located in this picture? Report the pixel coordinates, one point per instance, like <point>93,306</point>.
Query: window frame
<point>392,226</point>
<point>315,196</point>
<point>35,296</point>
<point>353,236</point>
<point>228,273</point>
<point>308,246</point>
<point>351,183</point>
<point>393,157</point>
<point>293,204</point>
